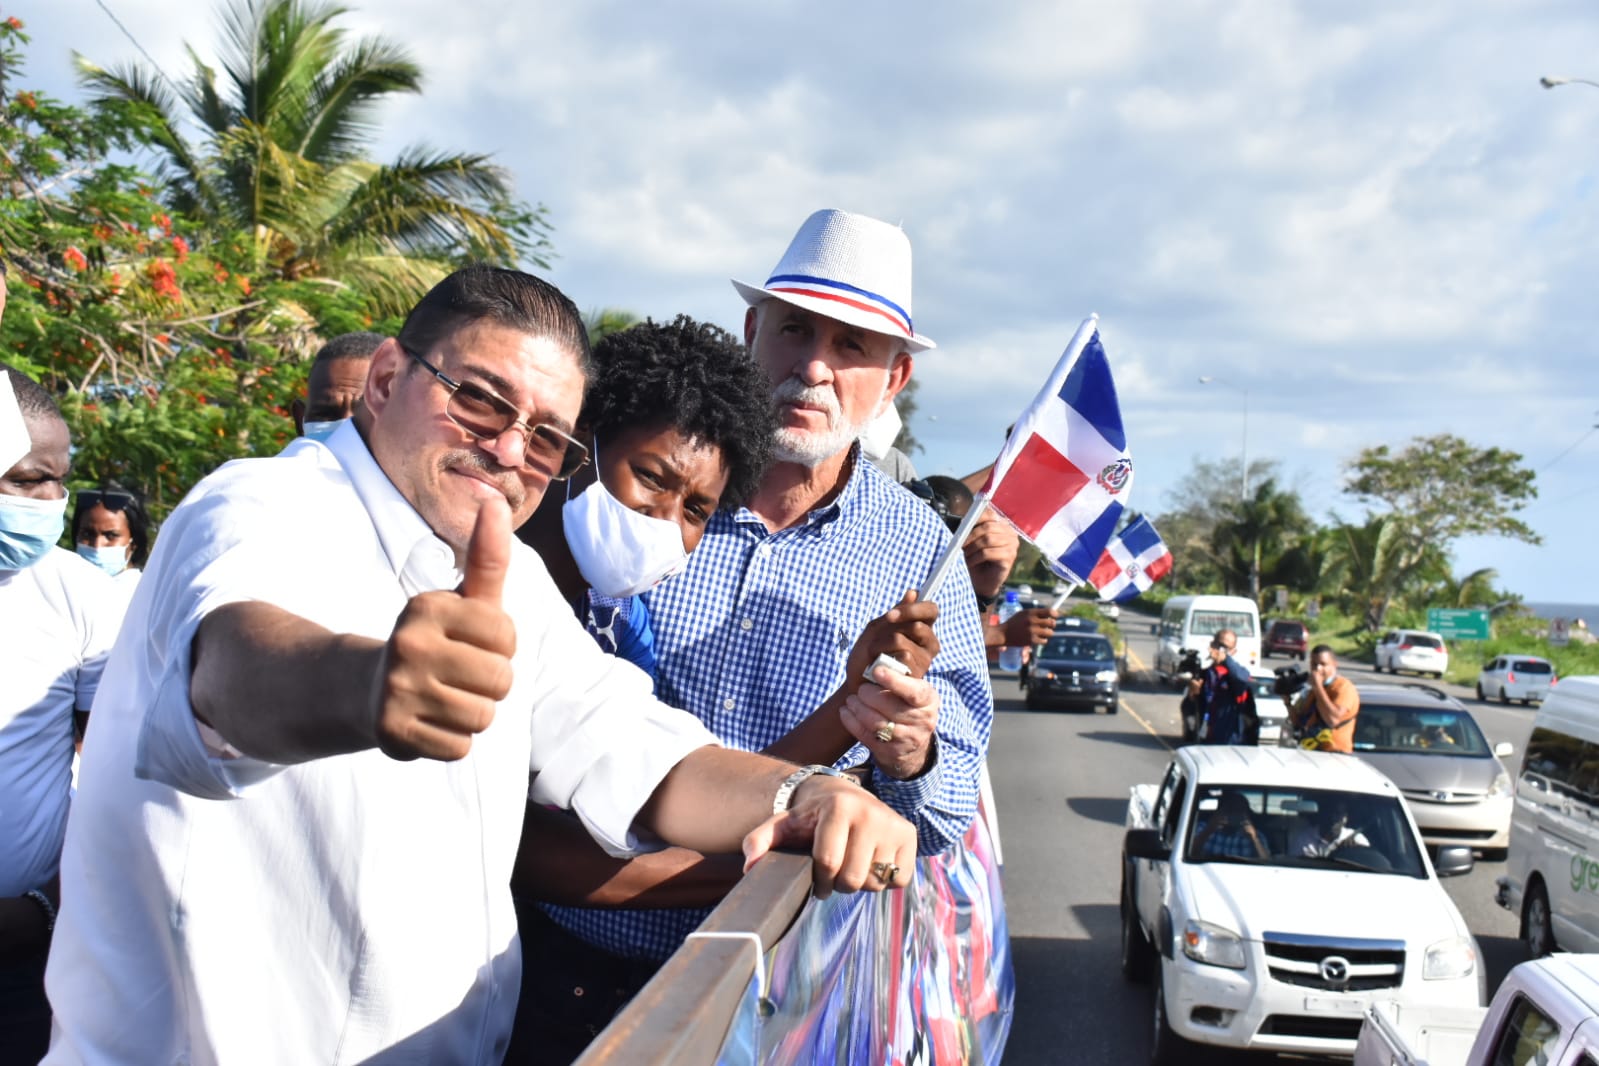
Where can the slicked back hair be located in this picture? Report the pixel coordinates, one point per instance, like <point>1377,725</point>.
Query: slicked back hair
<point>507,298</point>
<point>692,377</point>
<point>32,399</point>
<point>349,346</point>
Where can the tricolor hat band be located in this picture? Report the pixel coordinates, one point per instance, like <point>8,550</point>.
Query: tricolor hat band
<point>824,289</point>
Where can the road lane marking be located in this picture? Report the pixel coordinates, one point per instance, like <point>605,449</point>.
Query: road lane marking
<point>1139,663</point>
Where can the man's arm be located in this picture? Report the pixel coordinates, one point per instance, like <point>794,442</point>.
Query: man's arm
<point>1334,713</point>
<point>558,862</point>
<point>905,633</point>
<point>283,689</point>
<point>716,800</point>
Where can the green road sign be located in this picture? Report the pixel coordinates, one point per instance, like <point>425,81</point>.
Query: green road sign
<point>1458,624</point>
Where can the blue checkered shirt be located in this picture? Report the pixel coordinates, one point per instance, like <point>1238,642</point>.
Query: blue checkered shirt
<point>754,635</point>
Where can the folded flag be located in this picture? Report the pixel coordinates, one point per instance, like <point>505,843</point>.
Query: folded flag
<point>1133,561</point>
<point>1064,474</point>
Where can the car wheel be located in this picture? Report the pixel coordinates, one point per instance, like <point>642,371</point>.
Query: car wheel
<point>1113,706</point>
<point>1480,696</point>
<point>1138,954</point>
<point>1503,696</point>
<point>1535,927</point>
<point>1166,1048</point>
<point>1495,854</point>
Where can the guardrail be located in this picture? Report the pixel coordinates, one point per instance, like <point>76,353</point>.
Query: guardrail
<point>776,977</point>
<point>683,1015</point>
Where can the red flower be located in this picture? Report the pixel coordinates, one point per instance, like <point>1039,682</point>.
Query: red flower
<point>28,101</point>
<point>75,259</point>
<point>14,22</point>
<point>164,279</point>
<point>244,284</point>
<point>164,221</point>
<point>180,248</point>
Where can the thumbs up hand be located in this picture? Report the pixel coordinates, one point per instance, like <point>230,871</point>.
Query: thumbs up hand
<point>448,661</point>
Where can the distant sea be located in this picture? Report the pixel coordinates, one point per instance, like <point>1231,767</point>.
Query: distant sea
<point>1586,611</point>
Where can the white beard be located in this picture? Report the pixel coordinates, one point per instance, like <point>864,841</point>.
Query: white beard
<point>807,447</point>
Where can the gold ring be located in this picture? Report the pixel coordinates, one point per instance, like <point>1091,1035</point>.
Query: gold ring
<point>885,732</point>
<point>885,872</point>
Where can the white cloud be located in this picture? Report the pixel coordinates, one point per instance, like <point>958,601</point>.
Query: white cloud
<point>1368,215</point>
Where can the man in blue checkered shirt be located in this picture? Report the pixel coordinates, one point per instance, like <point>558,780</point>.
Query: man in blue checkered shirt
<point>785,603</point>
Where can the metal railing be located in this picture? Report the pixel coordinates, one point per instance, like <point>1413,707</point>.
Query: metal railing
<point>682,1017</point>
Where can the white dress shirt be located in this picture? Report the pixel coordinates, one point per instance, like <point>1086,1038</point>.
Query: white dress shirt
<point>350,909</point>
<point>58,619</point>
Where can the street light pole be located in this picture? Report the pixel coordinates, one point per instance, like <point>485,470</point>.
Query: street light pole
<point>1206,379</point>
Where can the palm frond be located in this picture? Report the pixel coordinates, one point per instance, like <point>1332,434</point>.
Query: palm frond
<point>343,100</point>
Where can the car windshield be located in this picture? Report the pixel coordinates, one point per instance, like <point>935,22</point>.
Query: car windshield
<point>1081,649</point>
<point>1531,666</point>
<point>1417,731</point>
<point>1281,825</point>
<point>1209,623</point>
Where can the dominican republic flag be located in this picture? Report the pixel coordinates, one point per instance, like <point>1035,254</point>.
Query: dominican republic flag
<point>1064,474</point>
<point>1133,561</point>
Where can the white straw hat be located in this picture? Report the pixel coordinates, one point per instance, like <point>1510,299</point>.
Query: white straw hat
<point>847,267</point>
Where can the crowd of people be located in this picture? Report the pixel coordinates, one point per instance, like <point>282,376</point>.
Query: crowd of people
<point>431,737</point>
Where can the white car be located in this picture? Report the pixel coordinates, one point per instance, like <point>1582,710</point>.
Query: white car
<point>1282,942</point>
<point>1516,677</point>
<point>1412,649</point>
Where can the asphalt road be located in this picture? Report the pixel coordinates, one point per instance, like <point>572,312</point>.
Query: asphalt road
<point>1061,782</point>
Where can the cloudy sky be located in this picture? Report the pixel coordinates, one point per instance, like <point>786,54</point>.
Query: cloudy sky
<point>1367,216</point>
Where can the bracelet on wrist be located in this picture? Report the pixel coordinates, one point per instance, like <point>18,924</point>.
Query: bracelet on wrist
<point>45,905</point>
<point>785,791</point>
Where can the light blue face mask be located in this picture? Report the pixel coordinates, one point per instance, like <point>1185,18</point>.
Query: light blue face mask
<point>28,529</point>
<point>113,560</point>
<point>321,430</point>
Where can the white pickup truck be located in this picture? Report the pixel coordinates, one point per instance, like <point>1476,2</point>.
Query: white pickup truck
<point>1546,1013</point>
<point>1275,894</point>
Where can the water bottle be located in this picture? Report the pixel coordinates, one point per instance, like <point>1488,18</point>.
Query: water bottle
<point>1010,658</point>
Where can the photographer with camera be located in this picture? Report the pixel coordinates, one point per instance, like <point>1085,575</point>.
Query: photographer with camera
<point>1226,699</point>
<point>1324,713</point>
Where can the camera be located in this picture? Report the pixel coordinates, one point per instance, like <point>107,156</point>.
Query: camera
<point>1188,665</point>
<point>1290,679</point>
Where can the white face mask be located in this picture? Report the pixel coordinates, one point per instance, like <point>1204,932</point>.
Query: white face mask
<point>321,430</point>
<point>113,560</point>
<point>619,551</point>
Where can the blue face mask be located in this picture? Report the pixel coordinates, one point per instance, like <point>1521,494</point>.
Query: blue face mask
<point>113,560</point>
<point>28,529</point>
<point>321,430</point>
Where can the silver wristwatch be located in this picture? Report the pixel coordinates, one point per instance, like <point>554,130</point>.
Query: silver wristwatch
<point>785,791</point>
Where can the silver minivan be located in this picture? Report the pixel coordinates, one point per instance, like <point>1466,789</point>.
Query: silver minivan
<point>1552,873</point>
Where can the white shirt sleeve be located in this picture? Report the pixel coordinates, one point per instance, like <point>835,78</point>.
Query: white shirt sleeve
<point>206,563</point>
<point>602,742</point>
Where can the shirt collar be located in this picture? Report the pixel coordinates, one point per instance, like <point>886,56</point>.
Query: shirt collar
<point>823,521</point>
<point>421,561</point>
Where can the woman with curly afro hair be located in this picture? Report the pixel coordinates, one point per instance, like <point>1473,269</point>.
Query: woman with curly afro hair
<point>678,421</point>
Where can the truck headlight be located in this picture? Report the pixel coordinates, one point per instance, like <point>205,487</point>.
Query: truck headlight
<point>1455,957</point>
<point>1500,787</point>
<point>1044,675</point>
<point>1208,943</point>
<point>1106,676</point>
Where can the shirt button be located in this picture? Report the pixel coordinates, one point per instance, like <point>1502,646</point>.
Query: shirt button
<point>747,624</point>
<point>727,704</point>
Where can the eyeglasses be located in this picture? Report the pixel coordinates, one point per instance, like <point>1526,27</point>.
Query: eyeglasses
<point>111,501</point>
<point>487,417</point>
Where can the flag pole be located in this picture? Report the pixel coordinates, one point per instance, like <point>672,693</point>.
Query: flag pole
<point>940,571</point>
<point>1060,601</point>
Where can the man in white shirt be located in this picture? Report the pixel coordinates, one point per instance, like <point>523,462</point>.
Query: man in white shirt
<point>57,621</point>
<point>295,834</point>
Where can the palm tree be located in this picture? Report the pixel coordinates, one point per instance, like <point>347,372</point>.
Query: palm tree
<point>1258,530</point>
<point>602,322</point>
<point>284,133</point>
<point>1376,566</point>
